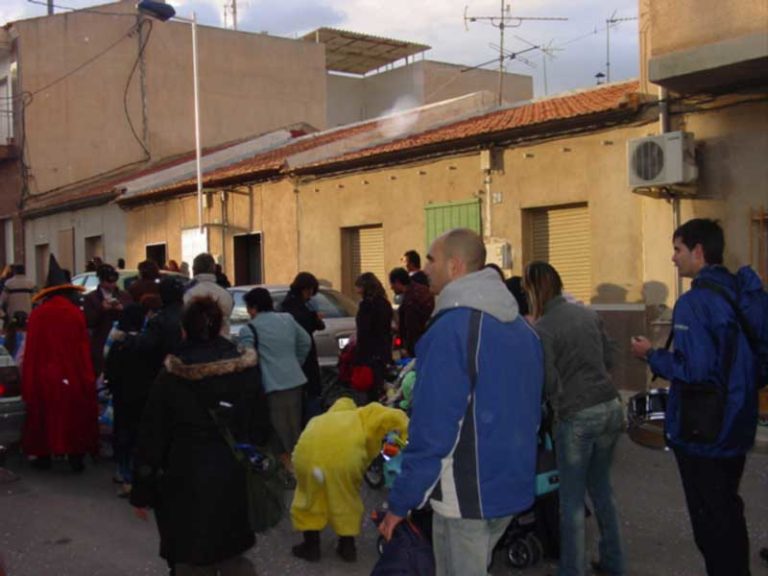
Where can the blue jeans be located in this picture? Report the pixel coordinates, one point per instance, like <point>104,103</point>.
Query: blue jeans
<point>585,443</point>
<point>464,547</point>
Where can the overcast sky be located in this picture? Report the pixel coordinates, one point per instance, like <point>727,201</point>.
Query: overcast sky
<point>441,25</point>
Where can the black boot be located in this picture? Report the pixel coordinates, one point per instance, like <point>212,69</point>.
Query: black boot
<point>76,463</point>
<point>41,463</point>
<point>308,550</point>
<point>346,549</point>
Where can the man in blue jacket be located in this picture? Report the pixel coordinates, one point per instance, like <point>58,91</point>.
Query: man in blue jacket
<point>471,452</point>
<point>711,350</point>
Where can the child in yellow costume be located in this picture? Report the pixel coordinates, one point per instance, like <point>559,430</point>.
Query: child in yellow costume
<point>330,459</point>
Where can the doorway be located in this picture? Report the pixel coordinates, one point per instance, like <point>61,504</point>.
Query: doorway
<point>156,253</point>
<point>248,259</point>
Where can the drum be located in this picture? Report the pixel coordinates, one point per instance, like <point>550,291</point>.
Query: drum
<point>646,412</point>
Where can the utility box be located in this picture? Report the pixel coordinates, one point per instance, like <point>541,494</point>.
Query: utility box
<point>499,251</point>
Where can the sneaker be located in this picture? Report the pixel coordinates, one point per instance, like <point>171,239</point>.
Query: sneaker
<point>346,549</point>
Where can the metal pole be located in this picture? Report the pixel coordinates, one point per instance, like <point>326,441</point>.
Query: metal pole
<point>196,81</point>
<point>607,51</point>
<point>501,54</point>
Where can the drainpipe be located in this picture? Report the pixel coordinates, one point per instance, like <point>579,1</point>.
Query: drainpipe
<point>663,128</point>
<point>487,179</point>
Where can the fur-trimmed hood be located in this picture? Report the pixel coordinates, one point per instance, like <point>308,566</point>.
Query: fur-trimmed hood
<point>176,366</point>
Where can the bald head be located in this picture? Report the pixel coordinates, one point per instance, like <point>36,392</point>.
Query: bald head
<point>456,253</point>
<point>466,246</point>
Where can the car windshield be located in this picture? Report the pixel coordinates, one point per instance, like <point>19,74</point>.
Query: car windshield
<point>330,304</point>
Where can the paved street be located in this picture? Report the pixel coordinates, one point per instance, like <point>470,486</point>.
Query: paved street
<point>63,525</point>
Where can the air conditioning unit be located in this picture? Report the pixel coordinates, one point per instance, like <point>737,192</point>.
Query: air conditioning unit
<point>665,160</point>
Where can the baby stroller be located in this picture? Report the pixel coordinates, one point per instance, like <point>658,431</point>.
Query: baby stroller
<point>534,534</point>
<point>530,536</point>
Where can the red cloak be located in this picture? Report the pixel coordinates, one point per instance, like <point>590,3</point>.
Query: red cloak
<point>58,383</point>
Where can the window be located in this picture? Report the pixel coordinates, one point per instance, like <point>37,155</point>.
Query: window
<point>6,112</point>
<point>42,253</point>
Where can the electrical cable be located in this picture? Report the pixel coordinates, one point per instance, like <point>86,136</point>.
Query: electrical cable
<point>86,62</point>
<point>90,10</point>
<point>142,47</point>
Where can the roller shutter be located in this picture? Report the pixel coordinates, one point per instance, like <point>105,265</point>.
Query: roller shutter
<point>368,253</point>
<point>561,236</point>
<point>362,251</point>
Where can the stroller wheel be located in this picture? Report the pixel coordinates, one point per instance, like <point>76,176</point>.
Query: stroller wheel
<point>520,553</point>
<point>536,547</point>
<point>374,475</point>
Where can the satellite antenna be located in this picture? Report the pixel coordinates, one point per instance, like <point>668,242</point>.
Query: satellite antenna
<point>504,20</point>
<point>547,51</point>
<point>230,6</point>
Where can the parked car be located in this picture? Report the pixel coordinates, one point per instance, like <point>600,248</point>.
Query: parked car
<point>90,281</point>
<point>12,409</point>
<point>337,310</point>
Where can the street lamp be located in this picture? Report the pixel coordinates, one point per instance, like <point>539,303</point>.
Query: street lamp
<point>164,12</point>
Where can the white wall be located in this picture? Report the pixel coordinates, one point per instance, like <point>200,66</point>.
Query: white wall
<point>107,221</point>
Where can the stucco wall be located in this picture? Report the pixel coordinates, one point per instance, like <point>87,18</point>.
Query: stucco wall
<point>443,81</point>
<point>77,127</point>
<point>107,221</point>
<point>688,23</point>
<point>423,82</point>
<point>267,209</point>
<point>591,170</point>
<point>346,100</point>
<point>732,145</point>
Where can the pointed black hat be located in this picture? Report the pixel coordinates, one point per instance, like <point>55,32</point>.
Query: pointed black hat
<point>58,281</point>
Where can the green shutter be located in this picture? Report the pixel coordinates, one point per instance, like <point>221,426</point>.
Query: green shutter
<point>443,217</point>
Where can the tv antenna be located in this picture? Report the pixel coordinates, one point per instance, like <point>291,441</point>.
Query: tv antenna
<point>609,23</point>
<point>504,20</point>
<point>230,7</point>
<point>547,51</point>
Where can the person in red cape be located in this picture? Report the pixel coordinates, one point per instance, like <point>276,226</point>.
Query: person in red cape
<point>58,382</point>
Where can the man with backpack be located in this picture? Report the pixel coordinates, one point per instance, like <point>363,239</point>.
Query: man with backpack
<point>720,335</point>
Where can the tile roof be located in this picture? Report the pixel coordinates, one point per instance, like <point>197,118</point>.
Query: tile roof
<point>270,163</point>
<point>585,103</point>
<point>593,101</point>
<point>106,187</point>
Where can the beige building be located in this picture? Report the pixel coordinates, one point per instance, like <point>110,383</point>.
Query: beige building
<point>97,93</point>
<point>547,180</point>
<point>101,95</point>
<point>370,76</point>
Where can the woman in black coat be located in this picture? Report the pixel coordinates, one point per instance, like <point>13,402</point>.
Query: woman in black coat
<point>373,347</point>
<point>296,303</point>
<point>184,468</point>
